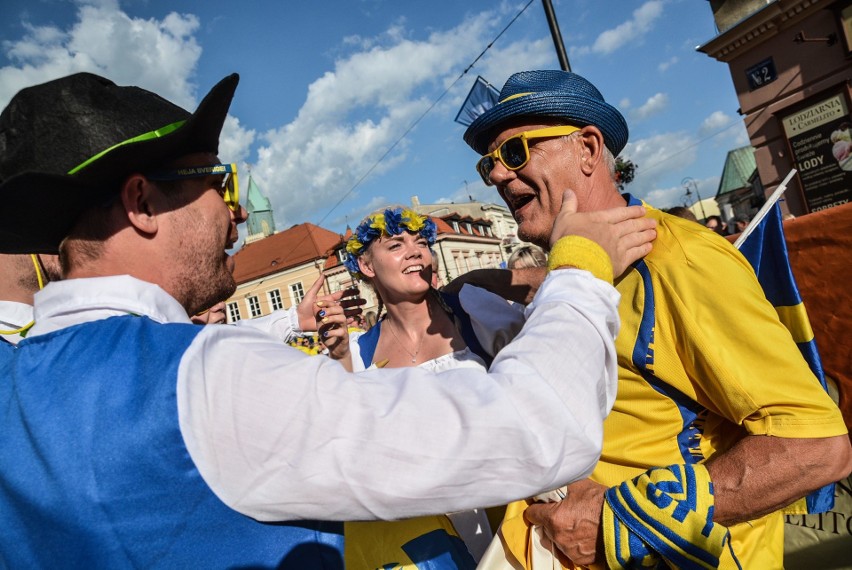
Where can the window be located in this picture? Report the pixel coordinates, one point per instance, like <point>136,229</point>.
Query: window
<point>297,293</point>
<point>455,226</point>
<point>488,231</point>
<point>341,255</point>
<point>468,227</point>
<point>254,306</point>
<point>275,300</point>
<point>234,311</point>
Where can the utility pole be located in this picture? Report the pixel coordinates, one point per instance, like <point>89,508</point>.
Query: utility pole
<point>557,35</point>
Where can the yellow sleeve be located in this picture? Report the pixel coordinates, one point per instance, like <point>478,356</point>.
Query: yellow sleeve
<point>740,360</point>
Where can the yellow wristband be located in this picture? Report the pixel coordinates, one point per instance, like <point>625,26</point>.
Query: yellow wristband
<point>582,253</point>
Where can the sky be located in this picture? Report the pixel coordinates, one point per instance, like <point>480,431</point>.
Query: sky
<point>346,106</point>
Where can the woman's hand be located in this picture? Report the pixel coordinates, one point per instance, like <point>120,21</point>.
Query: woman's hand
<point>349,300</point>
<point>332,329</point>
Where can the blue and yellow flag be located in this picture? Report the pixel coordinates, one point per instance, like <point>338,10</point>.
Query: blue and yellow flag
<point>482,97</point>
<point>766,250</point>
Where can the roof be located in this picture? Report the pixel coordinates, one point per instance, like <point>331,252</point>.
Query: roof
<point>292,247</point>
<point>739,166</point>
<point>444,225</point>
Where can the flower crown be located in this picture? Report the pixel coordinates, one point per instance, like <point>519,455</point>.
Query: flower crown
<point>391,222</point>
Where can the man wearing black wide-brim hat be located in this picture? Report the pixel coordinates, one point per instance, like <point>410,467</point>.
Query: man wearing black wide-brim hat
<point>710,429</point>
<point>132,438</point>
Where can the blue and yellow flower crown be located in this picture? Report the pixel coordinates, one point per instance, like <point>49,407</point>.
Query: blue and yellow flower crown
<point>391,222</point>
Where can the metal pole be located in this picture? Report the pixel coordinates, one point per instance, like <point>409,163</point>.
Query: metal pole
<point>557,35</point>
<point>687,182</point>
<point>444,259</point>
<point>703,213</point>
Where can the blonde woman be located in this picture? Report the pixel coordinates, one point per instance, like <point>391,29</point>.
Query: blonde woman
<point>527,256</point>
<point>418,326</point>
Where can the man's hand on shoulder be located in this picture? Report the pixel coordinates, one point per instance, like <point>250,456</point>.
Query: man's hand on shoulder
<point>573,524</point>
<point>517,285</point>
<point>623,233</point>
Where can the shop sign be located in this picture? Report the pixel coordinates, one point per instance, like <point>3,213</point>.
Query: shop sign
<point>820,137</point>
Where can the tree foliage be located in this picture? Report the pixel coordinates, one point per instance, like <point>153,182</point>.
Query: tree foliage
<point>625,171</point>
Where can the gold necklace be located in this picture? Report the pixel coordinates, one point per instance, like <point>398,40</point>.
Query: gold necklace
<point>414,354</point>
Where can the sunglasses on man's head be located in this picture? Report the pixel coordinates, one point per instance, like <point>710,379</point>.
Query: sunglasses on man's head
<point>229,188</point>
<point>514,152</point>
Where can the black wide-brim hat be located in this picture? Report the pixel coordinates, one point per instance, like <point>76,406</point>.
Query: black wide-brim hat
<point>50,130</point>
<point>553,95</point>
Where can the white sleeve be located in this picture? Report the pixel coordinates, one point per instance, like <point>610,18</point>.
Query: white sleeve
<point>279,435</point>
<point>283,324</point>
<point>495,320</point>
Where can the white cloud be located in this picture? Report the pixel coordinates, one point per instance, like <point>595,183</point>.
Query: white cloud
<point>728,131</point>
<point>624,103</point>
<point>309,164</point>
<point>503,60</point>
<point>657,156</point>
<point>235,141</point>
<point>665,197</point>
<point>740,137</point>
<point>631,30</point>
<point>655,105</point>
<point>159,55</point>
<point>713,123</point>
<point>667,64</point>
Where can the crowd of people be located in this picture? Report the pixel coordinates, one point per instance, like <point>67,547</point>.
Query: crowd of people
<point>596,392</point>
<point>713,222</point>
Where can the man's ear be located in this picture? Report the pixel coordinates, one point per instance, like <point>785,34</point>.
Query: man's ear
<point>366,267</point>
<point>592,141</point>
<point>138,197</point>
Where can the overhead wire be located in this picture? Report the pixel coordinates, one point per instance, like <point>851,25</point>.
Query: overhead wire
<point>422,115</point>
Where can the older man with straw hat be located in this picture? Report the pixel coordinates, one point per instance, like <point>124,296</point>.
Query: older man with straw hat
<point>715,428</point>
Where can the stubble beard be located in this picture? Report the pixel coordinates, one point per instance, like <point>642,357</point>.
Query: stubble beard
<point>204,278</point>
<point>534,233</point>
<point>205,286</point>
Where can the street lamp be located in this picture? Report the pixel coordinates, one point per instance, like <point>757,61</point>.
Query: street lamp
<point>690,184</point>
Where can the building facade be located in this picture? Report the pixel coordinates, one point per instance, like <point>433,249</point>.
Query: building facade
<point>275,272</point>
<point>791,65</point>
<point>740,190</point>
<point>502,224</point>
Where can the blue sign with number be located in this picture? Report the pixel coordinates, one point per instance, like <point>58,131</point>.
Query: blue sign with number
<point>761,74</point>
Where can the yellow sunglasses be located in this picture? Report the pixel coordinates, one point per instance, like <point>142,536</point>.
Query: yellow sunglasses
<point>514,152</point>
<point>229,189</point>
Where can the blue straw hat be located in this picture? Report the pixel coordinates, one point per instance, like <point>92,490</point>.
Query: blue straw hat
<point>549,94</point>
